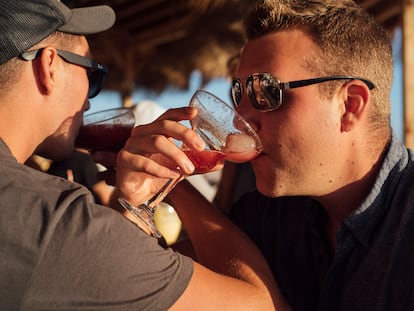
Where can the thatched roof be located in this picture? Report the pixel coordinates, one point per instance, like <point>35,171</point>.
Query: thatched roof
<point>159,43</point>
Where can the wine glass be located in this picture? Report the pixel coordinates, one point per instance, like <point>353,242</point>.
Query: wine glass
<point>227,136</point>
<point>167,222</point>
<point>106,130</point>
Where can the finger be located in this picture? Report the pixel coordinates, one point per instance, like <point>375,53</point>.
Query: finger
<point>157,165</point>
<point>161,150</point>
<point>169,129</point>
<point>156,138</point>
<point>69,174</point>
<point>174,115</point>
<point>167,125</point>
<point>179,114</point>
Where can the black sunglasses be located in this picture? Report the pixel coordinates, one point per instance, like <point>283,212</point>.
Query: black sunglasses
<point>96,72</point>
<point>265,92</point>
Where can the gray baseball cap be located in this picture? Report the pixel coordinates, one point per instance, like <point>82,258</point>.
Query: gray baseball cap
<point>24,23</point>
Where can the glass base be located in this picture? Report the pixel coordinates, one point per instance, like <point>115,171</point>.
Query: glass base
<point>144,215</point>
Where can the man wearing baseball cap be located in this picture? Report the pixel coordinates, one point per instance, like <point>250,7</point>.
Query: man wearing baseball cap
<point>59,250</point>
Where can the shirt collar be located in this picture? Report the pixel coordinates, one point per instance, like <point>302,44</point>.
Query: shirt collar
<point>363,220</point>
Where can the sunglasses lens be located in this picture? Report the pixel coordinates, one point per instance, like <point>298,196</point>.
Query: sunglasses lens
<point>264,92</point>
<point>272,93</point>
<point>236,92</point>
<point>96,78</point>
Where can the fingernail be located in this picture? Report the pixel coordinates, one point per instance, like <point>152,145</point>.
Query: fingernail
<point>199,143</point>
<point>189,166</point>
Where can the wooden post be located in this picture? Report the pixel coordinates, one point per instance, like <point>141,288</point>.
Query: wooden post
<point>408,70</point>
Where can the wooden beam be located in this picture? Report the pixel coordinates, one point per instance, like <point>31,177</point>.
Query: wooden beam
<point>368,4</point>
<point>154,16</point>
<point>408,71</point>
<point>388,12</point>
<point>130,8</point>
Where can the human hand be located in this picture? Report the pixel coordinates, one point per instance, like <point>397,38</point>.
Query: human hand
<point>150,156</point>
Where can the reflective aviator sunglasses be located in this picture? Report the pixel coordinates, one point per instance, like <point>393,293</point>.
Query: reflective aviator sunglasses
<point>265,91</point>
<point>95,71</point>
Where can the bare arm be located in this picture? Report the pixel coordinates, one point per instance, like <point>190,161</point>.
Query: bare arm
<point>231,273</point>
<point>103,191</point>
<point>246,282</point>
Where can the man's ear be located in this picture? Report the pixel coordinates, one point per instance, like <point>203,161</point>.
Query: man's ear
<point>46,70</point>
<point>357,96</point>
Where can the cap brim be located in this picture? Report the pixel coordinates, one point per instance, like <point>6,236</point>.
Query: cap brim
<point>89,20</point>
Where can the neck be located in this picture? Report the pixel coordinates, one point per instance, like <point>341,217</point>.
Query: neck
<point>17,129</point>
<point>341,202</point>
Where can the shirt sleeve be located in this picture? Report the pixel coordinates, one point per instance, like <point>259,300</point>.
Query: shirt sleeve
<point>97,259</point>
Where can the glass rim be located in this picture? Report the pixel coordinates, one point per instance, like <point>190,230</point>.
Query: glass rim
<point>236,114</point>
<point>113,113</point>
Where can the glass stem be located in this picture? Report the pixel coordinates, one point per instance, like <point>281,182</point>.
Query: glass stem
<point>153,202</point>
<point>145,212</point>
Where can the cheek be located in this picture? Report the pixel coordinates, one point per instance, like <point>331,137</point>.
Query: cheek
<point>295,133</point>
<point>83,87</point>
<point>79,86</point>
<point>312,115</point>
<point>76,102</point>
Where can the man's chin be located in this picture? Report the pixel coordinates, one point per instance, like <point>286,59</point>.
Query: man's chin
<point>263,189</point>
<point>270,190</point>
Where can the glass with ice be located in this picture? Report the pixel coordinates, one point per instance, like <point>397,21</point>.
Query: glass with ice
<point>227,136</point>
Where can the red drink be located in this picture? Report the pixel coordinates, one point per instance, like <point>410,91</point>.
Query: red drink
<point>103,137</point>
<point>106,130</point>
<point>204,160</point>
<point>240,157</point>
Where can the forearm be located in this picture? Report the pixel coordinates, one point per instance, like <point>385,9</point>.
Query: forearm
<point>220,245</point>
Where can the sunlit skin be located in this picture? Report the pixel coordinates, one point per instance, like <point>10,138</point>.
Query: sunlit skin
<point>311,146</point>
<point>60,144</point>
<point>45,82</point>
<point>138,176</point>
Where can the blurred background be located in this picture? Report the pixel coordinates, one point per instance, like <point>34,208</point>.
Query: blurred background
<point>160,51</point>
<point>163,50</point>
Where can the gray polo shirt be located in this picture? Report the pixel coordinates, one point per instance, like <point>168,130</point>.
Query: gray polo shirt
<point>60,251</point>
<point>373,265</point>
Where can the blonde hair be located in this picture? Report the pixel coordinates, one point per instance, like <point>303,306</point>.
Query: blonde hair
<point>349,41</point>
